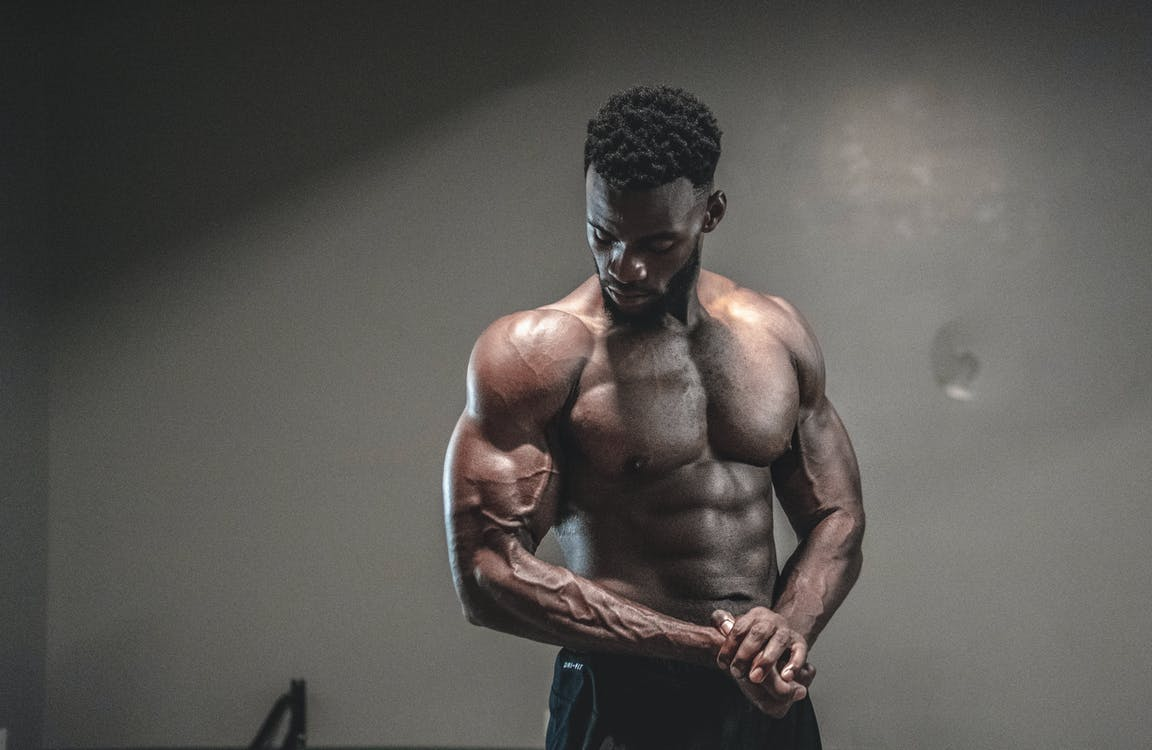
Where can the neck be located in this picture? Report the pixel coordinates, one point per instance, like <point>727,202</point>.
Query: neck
<point>682,302</point>
<point>686,309</point>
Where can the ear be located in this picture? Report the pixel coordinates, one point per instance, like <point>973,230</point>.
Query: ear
<point>717,205</point>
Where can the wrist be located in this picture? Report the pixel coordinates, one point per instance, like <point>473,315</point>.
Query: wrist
<point>706,643</point>
<point>806,625</point>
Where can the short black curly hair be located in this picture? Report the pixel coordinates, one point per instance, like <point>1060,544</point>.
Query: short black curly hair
<point>647,136</point>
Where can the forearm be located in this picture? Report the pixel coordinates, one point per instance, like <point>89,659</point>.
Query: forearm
<point>817,577</point>
<point>525,596</point>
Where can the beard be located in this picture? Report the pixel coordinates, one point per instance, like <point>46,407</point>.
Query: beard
<point>673,302</point>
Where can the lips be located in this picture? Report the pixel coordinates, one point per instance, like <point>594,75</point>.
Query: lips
<point>628,297</point>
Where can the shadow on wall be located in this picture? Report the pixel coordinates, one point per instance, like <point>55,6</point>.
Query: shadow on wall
<point>171,121</point>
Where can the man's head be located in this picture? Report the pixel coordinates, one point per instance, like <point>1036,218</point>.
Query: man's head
<point>649,161</point>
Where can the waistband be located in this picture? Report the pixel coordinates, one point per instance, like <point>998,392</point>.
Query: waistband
<point>639,666</point>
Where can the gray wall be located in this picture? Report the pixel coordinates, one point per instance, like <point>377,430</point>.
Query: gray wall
<point>279,230</point>
<point>23,381</point>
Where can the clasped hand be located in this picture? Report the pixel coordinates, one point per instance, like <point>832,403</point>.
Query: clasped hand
<point>766,657</point>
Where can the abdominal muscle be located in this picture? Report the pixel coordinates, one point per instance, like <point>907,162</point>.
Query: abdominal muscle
<point>684,544</point>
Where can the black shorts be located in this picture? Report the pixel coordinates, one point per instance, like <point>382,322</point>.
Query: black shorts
<point>603,702</point>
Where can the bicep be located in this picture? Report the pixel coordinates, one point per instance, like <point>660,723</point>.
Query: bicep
<point>819,474</point>
<point>498,490</point>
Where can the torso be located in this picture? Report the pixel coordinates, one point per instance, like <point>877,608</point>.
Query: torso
<point>665,451</point>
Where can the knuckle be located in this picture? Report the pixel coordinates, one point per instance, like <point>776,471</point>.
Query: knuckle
<point>759,630</point>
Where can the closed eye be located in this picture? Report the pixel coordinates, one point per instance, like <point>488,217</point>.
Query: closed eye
<point>601,237</point>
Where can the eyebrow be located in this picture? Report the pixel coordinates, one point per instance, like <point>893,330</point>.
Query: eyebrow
<point>656,236</point>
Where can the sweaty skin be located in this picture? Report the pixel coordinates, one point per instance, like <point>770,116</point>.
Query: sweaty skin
<point>647,427</point>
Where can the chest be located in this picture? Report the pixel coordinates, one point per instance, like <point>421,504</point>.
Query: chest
<point>660,401</point>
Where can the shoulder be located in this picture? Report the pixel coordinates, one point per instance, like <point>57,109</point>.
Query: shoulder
<point>758,314</point>
<point>527,362</point>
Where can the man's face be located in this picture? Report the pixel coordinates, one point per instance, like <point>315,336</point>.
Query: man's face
<point>646,244</point>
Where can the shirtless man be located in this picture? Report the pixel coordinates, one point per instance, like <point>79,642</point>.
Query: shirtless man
<point>645,418</point>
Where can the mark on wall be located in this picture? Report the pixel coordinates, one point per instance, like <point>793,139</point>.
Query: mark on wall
<point>954,365</point>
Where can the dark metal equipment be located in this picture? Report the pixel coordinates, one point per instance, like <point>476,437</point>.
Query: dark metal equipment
<point>294,704</point>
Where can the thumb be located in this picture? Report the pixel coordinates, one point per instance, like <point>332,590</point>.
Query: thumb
<point>723,620</point>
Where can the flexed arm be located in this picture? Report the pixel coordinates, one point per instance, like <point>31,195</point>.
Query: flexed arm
<point>501,485</point>
<point>818,484</point>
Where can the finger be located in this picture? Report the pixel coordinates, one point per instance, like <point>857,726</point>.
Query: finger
<point>798,658</point>
<point>728,649</point>
<point>723,620</point>
<point>766,660</point>
<point>773,705</point>
<point>758,635</point>
<point>787,690</point>
<point>734,635</point>
<point>776,686</point>
<point>782,690</point>
<point>798,693</point>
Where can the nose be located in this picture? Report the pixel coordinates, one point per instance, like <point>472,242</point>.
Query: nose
<point>625,266</point>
